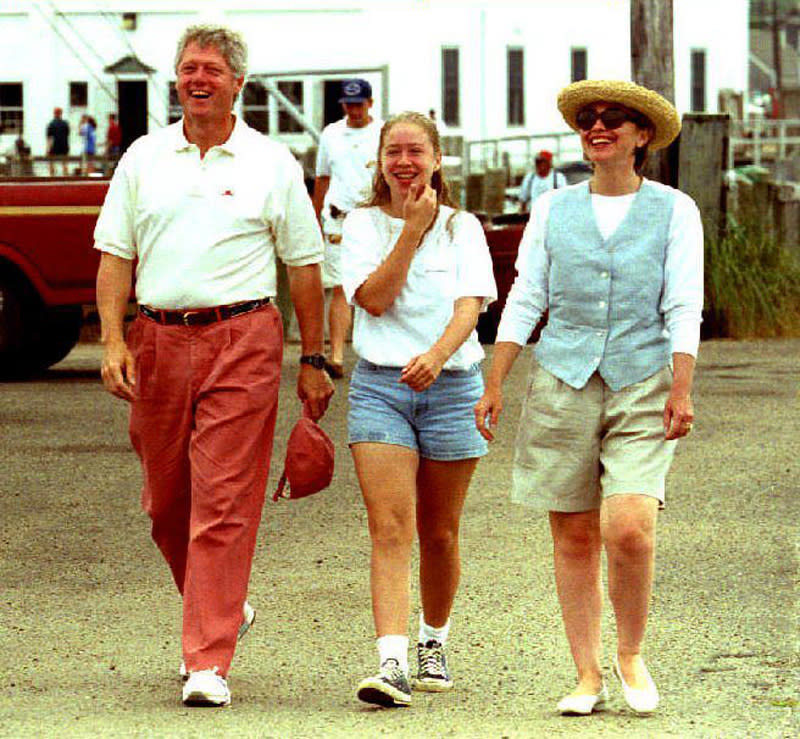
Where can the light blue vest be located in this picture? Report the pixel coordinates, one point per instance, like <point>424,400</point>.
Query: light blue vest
<point>605,295</point>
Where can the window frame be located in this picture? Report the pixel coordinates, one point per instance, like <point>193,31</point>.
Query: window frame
<point>578,53</point>
<point>15,114</point>
<point>261,111</point>
<point>698,87</point>
<point>451,85</point>
<point>285,122</point>
<point>515,86</point>
<point>75,85</point>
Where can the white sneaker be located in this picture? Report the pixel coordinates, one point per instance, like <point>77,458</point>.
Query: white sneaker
<point>206,688</point>
<point>248,618</point>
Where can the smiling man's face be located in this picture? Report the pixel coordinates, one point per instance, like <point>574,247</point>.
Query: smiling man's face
<point>206,84</point>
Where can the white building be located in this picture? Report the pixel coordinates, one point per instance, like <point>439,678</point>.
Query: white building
<point>489,68</point>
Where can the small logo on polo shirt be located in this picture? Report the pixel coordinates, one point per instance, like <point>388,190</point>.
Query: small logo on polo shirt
<point>228,193</point>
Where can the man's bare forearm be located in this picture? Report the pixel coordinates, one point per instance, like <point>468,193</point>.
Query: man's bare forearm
<point>305,287</point>
<point>114,278</point>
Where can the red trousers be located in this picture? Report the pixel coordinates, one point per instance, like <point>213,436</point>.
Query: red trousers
<point>203,424</point>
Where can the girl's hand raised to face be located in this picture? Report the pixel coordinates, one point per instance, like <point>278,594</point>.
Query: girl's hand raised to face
<point>419,208</point>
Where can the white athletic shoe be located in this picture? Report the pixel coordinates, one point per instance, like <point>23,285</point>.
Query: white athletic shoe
<point>248,618</point>
<point>206,688</point>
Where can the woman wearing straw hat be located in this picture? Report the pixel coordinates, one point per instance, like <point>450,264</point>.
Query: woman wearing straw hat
<point>617,261</point>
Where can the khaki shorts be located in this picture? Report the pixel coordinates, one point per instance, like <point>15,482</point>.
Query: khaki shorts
<point>576,447</point>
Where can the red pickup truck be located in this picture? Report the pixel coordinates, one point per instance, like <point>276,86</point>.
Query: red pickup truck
<point>48,268</point>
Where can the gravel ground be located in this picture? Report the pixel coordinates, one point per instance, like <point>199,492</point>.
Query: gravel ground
<point>90,623</point>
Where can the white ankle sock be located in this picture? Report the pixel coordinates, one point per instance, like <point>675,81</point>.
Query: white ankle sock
<point>426,633</point>
<point>394,646</point>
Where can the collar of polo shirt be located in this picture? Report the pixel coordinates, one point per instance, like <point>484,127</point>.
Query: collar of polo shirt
<point>231,146</point>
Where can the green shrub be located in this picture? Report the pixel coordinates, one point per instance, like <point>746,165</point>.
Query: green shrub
<point>752,283</point>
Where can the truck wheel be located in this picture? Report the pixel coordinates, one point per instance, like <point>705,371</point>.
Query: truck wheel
<point>59,331</point>
<point>11,324</point>
<point>32,337</point>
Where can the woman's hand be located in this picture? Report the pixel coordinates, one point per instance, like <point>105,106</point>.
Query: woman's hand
<point>419,208</point>
<point>421,372</point>
<point>678,410</point>
<point>487,412</point>
<point>678,416</point>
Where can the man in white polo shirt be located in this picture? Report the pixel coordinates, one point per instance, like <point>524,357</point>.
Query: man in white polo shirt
<point>346,159</point>
<point>201,208</point>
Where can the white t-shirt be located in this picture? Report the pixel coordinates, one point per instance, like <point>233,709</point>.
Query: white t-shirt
<point>349,157</point>
<point>682,297</point>
<point>206,231</point>
<point>443,269</point>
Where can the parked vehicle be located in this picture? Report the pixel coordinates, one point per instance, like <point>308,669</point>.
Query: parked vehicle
<point>47,268</point>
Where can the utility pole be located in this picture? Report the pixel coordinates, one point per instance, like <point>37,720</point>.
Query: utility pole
<point>652,66</point>
<point>777,105</point>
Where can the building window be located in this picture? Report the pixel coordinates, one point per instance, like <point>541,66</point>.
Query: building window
<point>11,118</point>
<point>78,95</point>
<point>294,92</point>
<point>578,65</point>
<point>451,113</point>
<point>174,110</point>
<point>698,80</point>
<point>516,87</point>
<point>255,106</point>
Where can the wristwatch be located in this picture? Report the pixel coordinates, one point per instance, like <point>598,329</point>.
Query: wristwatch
<point>317,361</point>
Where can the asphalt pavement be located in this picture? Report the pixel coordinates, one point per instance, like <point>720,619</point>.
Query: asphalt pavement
<point>90,622</point>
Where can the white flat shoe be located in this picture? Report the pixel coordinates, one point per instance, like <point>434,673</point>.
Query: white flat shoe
<point>583,705</point>
<point>639,700</point>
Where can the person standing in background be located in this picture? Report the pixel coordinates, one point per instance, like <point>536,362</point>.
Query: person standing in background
<point>542,178</point>
<point>58,141</point>
<point>348,151</point>
<point>88,132</point>
<point>113,137</point>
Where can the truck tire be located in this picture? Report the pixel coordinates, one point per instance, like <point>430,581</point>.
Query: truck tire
<point>33,337</point>
<point>11,327</point>
<point>59,331</point>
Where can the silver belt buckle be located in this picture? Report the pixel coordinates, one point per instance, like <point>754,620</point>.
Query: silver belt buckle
<point>186,315</point>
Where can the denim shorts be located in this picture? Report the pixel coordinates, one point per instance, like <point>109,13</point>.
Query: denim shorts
<point>438,422</point>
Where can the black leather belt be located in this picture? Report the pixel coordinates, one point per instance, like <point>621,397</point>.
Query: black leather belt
<point>201,316</point>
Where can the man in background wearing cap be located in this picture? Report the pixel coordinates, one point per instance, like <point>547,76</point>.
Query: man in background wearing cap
<point>346,160</point>
<point>541,179</point>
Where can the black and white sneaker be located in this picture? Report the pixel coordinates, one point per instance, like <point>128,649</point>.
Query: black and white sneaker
<point>432,674</point>
<point>389,688</point>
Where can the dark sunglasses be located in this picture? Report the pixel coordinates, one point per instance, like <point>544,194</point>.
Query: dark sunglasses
<point>612,118</point>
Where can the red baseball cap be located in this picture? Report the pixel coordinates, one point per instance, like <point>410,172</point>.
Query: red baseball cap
<point>308,467</point>
<point>544,154</point>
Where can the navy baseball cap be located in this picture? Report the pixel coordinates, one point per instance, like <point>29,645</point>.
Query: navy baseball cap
<point>355,91</point>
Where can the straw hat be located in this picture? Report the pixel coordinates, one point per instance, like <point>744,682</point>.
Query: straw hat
<point>659,110</point>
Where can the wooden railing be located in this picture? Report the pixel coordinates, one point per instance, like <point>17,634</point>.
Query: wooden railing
<point>488,153</point>
<point>763,139</point>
